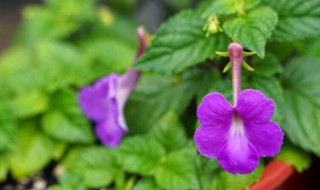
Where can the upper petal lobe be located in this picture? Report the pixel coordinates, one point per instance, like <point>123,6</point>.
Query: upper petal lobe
<point>95,101</point>
<point>253,106</point>
<point>214,110</point>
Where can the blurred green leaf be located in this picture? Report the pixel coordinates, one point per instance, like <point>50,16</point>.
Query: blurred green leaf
<point>227,7</point>
<point>268,66</point>
<point>163,93</point>
<point>32,152</point>
<point>69,181</point>
<point>96,165</point>
<point>297,19</point>
<point>236,182</point>
<point>254,29</point>
<point>4,166</point>
<point>8,129</point>
<point>146,184</point>
<point>180,43</point>
<point>169,132</point>
<point>177,171</point>
<point>302,106</point>
<point>14,62</point>
<point>65,121</point>
<point>59,19</point>
<point>105,55</point>
<point>141,154</point>
<point>208,172</point>
<point>61,64</point>
<point>293,155</point>
<point>30,104</point>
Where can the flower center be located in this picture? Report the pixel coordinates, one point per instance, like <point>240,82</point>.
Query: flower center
<point>237,126</point>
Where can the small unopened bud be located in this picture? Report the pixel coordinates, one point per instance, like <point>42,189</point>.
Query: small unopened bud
<point>105,16</point>
<point>212,26</point>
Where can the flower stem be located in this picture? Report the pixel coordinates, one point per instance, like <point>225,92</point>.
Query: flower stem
<point>236,58</point>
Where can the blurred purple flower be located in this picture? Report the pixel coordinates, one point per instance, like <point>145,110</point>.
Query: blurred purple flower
<point>104,102</point>
<point>238,135</point>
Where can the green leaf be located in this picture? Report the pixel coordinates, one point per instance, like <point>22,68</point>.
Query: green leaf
<point>254,29</point>
<point>271,88</point>
<point>108,55</point>
<point>96,165</point>
<point>141,154</point>
<point>179,44</point>
<point>302,106</point>
<point>8,129</point>
<point>30,104</point>
<point>297,19</point>
<point>268,66</point>
<point>293,155</point>
<point>32,152</point>
<point>146,184</point>
<point>69,181</point>
<point>169,132</point>
<point>208,171</point>
<point>65,121</point>
<point>61,64</point>
<point>238,181</point>
<point>227,7</point>
<point>163,93</point>
<point>4,166</point>
<point>57,20</point>
<point>177,171</point>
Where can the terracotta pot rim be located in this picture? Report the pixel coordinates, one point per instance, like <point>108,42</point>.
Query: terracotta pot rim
<point>275,173</point>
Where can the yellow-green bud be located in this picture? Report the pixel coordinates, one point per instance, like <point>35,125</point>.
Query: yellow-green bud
<point>212,26</point>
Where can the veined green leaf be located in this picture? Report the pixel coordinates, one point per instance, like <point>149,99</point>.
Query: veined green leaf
<point>169,132</point>
<point>177,171</point>
<point>297,19</point>
<point>227,7</point>
<point>96,165</point>
<point>254,29</point>
<point>141,154</point>
<point>181,43</point>
<point>302,106</point>
<point>65,121</point>
<point>268,66</point>
<point>32,152</point>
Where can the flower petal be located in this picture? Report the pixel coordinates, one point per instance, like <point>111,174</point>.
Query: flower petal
<point>266,138</point>
<point>95,101</point>
<point>215,110</point>
<point>253,106</point>
<point>209,140</point>
<point>109,132</point>
<point>238,156</point>
<point>125,84</point>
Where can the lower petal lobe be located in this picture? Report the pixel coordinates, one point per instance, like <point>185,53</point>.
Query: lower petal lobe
<point>210,140</point>
<point>266,138</point>
<point>238,156</point>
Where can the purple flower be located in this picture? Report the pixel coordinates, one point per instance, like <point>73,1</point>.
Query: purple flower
<point>104,102</point>
<point>238,135</point>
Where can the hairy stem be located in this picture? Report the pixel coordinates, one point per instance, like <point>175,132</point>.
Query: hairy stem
<point>236,58</point>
